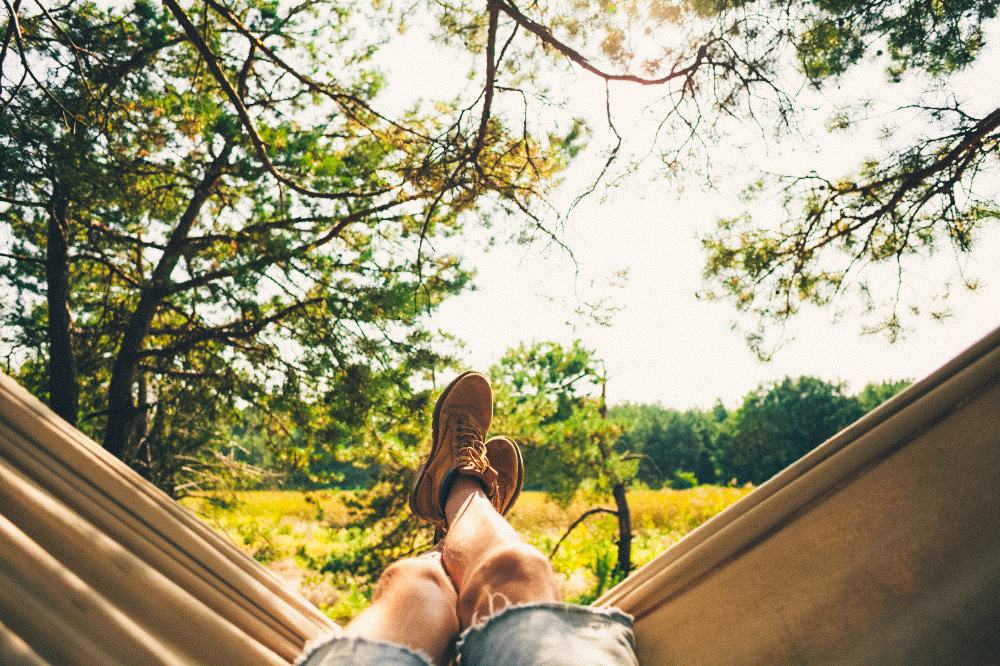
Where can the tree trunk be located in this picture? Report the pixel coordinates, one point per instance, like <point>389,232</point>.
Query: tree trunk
<point>64,390</point>
<point>122,409</point>
<point>624,514</point>
<point>624,565</point>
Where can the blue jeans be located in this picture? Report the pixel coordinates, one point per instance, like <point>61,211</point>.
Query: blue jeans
<point>542,634</point>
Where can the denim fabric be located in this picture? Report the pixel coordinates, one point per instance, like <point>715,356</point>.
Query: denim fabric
<point>550,634</point>
<point>541,634</point>
<point>351,651</point>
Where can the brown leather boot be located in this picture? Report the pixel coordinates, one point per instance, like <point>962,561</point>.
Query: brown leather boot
<point>505,457</point>
<point>462,416</point>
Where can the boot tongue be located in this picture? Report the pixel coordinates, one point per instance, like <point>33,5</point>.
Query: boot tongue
<point>491,479</point>
<point>472,457</point>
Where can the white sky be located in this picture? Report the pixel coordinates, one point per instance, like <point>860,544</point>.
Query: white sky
<point>665,345</point>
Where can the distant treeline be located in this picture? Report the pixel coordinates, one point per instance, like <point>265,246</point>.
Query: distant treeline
<point>776,423</point>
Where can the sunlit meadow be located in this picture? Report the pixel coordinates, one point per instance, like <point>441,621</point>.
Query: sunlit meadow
<point>295,533</point>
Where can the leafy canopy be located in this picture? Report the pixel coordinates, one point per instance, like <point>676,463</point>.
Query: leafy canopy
<point>245,231</point>
<point>549,399</point>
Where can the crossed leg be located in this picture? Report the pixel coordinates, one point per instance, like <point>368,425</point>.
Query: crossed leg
<point>423,605</point>
<point>413,605</point>
<point>490,565</point>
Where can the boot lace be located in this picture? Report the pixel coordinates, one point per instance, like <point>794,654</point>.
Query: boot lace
<point>471,449</point>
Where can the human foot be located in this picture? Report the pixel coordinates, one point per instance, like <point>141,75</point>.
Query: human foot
<point>462,416</point>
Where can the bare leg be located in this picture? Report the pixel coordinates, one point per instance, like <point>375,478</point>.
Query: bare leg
<point>414,605</point>
<point>491,566</point>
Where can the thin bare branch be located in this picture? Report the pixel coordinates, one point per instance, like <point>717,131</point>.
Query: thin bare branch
<point>576,523</point>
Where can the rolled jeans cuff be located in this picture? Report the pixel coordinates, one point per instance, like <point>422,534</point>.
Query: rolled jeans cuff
<point>340,650</point>
<point>550,634</point>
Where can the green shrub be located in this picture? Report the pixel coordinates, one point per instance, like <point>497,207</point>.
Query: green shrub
<point>681,480</point>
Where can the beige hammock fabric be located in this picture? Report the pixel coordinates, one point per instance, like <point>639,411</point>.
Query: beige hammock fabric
<point>97,566</point>
<point>881,545</point>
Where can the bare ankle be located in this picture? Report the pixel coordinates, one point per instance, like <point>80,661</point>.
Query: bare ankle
<point>464,489</point>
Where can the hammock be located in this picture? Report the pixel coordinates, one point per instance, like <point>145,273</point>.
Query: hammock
<point>881,544</point>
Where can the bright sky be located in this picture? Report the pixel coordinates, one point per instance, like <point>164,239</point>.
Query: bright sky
<point>665,345</point>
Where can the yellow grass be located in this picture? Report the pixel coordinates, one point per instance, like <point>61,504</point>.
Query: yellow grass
<point>664,509</point>
<point>294,532</point>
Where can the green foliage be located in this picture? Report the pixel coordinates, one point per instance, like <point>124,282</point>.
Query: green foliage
<point>681,480</point>
<point>938,38</point>
<point>717,61</point>
<point>873,395</point>
<point>670,440</point>
<point>394,444</point>
<point>569,443</point>
<point>542,402</point>
<point>249,241</point>
<point>898,207</point>
<point>545,398</point>
<point>602,568</point>
<point>780,422</point>
<point>775,425</point>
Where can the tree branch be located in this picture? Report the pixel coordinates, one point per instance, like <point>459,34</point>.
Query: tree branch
<point>241,110</point>
<point>491,75</point>
<point>268,260</point>
<point>544,34</point>
<point>576,523</point>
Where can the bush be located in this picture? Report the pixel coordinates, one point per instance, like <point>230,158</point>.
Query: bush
<point>681,480</point>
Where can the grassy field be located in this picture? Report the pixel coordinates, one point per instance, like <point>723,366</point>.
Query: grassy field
<point>294,533</point>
